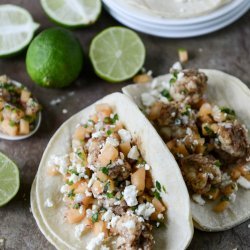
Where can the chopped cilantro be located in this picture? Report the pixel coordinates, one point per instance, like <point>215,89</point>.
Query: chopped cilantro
<point>164,189</point>
<point>157,195</point>
<point>69,182</point>
<point>107,120</point>
<point>91,121</point>
<point>95,217</point>
<point>217,163</point>
<point>209,131</point>
<point>158,185</point>
<point>172,81</point>
<point>85,125</point>
<point>114,119</point>
<point>12,123</point>
<point>105,170</point>
<point>109,132</point>
<point>106,187</point>
<point>71,193</point>
<point>166,94</point>
<point>76,206</point>
<point>73,171</point>
<point>228,111</point>
<point>182,50</point>
<point>110,195</point>
<point>133,208</point>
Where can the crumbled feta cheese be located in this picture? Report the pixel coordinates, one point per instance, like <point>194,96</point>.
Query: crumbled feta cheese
<point>198,199</point>
<point>177,66</point>
<point>108,215</point>
<point>243,182</point>
<point>87,193</point>
<point>99,126</point>
<point>157,224</point>
<point>81,210</point>
<point>145,210</point>
<point>78,198</point>
<point>147,99</point>
<point>79,229</point>
<point>112,141</point>
<point>64,189</point>
<point>49,203</point>
<point>133,153</point>
<point>130,224</point>
<point>91,181</point>
<point>104,248</point>
<point>248,226</point>
<point>189,131</point>
<point>125,135</point>
<point>160,216</point>
<point>232,197</point>
<point>95,242</point>
<point>180,75</point>
<point>74,178</point>
<point>130,194</point>
<point>89,213</point>
<point>61,161</point>
<point>98,134</point>
<point>114,221</point>
<point>225,180</point>
<point>127,183</point>
<point>64,111</point>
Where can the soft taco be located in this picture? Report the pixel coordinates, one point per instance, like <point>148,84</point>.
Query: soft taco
<point>107,181</point>
<point>202,115</point>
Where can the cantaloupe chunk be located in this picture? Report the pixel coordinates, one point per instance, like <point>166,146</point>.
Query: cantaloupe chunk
<point>100,227</point>
<point>108,153</point>
<point>24,127</point>
<point>9,127</point>
<point>138,179</point>
<point>103,110</point>
<point>125,147</point>
<point>74,216</point>
<point>25,95</point>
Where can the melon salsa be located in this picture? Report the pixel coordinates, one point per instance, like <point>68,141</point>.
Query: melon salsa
<point>107,185</point>
<point>18,109</point>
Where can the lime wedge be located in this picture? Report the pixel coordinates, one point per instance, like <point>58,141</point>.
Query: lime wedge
<point>9,179</point>
<point>117,54</point>
<point>16,29</point>
<point>72,13</point>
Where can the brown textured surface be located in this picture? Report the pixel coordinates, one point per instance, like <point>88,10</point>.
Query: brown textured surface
<point>226,50</point>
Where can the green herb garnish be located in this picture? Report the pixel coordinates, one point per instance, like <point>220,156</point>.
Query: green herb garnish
<point>164,189</point>
<point>166,94</point>
<point>158,185</point>
<point>95,217</point>
<point>209,131</point>
<point>76,206</point>
<point>157,195</point>
<point>217,163</point>
<point>114,119</point>
<point>69,182</point>
<point>105,170</point>
<point>71,193</point>
<point>73,171</point>
<point>110,195</point>
<point>224,198</point>
<point>107,120</point>
<point>12,123</point>
<point>109,132</point>
<point>228,111</point>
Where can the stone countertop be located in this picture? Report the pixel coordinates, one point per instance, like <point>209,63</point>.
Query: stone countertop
<point>227,50</point>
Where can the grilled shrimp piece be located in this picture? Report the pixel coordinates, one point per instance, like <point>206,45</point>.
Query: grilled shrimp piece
<point>200,172</point>
<point>231,142</point>
<point>189,86</point>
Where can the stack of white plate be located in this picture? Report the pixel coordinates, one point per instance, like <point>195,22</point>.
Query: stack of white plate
<point>176,28</point>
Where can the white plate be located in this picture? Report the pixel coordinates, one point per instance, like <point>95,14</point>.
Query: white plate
<point>127,9</point>
<point>182,32</point>
<point>180,28</point>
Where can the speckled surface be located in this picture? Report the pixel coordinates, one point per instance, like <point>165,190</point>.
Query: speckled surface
<point>226,50</point>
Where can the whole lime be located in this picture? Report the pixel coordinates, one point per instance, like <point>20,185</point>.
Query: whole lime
<point>54,58</point>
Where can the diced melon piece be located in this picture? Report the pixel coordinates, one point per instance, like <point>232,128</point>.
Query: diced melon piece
<point>125,147</point>
<point>74,216</point>
<point>24,128</point>
<point>159,208</point>
<point>101,176</point>
<point>220,207</point>
<point>80,187</point>
<point>118,126</point>
<point>183,55</point>
<point>138,179</point>
<point>97,187</point>
<point>108,153</point>
<point>155,111</point>
<point>25,95</point>
<point>88,222</point>
<point>148,181</point>
<point>103,109</point>
<point>9,128</point>
<point>80,133</point>
<point>100,227</point>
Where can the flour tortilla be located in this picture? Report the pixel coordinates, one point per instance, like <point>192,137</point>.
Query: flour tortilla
<point>175,9</point>
<point>175,235</point>
<point>223,90</point>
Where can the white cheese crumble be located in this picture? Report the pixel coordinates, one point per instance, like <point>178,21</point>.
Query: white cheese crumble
<point>95,242</point>
<point>98,134</point>
<point>112,141</point>
<point>78,198</point>
<point>147,167</point>
<point>160,216</point>
<point>107,216</point>
<point>177,66</point>
<point>133,153</point>
<point>125,135</point>
<point>74,178</point>
<point>48,203</point>
<point>64,188</point>
<point>198,199</point>
<point>130,224</point>
<point>61,161</point>
<point>243,182</point>
<point>145,210</point>
<point>79,229</point>
<point>147,99</point>
<point>113,221</point>
<point>130,194</point>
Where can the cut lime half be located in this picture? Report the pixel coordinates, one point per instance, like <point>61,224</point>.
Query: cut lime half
<point>72,13</point>
<point>16,29</point>
<point>9,179</point>
<point>117,54</point>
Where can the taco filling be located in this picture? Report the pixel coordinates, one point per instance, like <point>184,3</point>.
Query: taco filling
<point>18,109</point>
<point>208,141</point>
<point>107,186</point>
